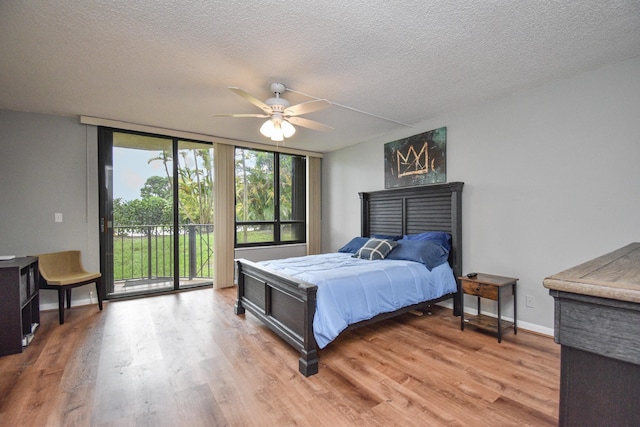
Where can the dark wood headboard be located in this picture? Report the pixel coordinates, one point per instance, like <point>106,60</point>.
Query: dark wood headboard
<point>410,210</point>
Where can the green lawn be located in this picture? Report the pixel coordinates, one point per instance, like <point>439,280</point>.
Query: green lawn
<point>140,256</point>
<point>136,257</point>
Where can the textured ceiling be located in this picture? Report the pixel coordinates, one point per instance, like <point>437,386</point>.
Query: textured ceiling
<point>168,64</point>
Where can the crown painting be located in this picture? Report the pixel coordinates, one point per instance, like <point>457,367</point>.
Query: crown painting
<point>416,160</point>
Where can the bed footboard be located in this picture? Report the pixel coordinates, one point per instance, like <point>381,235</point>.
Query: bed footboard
<point>283,304</point>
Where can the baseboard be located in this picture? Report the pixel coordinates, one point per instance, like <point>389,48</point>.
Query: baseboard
<point>531,327</point>
<point>74,303</point>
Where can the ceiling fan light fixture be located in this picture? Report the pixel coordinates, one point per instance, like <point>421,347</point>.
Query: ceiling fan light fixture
<point>267,128</point>
<point>277,135</point>
<point>277,129</point>
<point>272,129</point>
<point>287,129</point>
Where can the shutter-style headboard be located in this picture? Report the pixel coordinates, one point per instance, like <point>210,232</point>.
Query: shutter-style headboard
<point>410,210</point>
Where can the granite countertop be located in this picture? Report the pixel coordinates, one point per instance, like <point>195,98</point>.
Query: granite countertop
<point>615,275</point>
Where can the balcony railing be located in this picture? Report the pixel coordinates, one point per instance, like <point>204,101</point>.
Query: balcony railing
<point>146,252</point>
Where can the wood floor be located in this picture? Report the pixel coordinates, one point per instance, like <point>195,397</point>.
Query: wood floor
<point>186,360</point>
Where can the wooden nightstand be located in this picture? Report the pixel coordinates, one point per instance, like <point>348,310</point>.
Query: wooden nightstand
<point>491,287</point>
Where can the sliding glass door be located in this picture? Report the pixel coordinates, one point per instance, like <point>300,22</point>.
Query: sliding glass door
<point>156,213</point>
<point>195,213</point>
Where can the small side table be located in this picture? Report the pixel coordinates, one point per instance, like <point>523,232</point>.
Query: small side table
<point>494,288</point>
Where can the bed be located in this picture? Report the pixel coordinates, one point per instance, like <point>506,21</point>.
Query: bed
<point>287,304</point>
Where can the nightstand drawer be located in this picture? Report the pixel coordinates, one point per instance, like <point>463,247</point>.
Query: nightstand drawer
<point>480,289</point>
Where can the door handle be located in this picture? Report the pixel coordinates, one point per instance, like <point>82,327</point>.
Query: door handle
<point>104,225</point>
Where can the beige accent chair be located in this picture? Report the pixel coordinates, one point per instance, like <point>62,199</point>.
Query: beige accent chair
<point>63,271</point>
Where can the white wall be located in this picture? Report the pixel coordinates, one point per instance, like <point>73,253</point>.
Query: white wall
<point>551,177</point>
<point>48,164</point>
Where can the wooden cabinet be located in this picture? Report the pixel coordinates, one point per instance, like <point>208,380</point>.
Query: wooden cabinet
<point>19,303</point>
<point>491,287</point>
<point>597,324</point>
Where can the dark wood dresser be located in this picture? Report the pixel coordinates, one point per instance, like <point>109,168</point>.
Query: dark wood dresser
<point>597,324</point>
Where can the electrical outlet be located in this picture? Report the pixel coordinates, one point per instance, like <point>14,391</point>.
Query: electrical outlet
<point>57,217</point>
<point>530,301</point>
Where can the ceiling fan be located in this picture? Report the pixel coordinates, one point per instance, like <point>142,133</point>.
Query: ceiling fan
<point>281,114</point>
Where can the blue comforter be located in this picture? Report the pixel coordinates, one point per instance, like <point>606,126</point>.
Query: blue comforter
<point>353,289</point>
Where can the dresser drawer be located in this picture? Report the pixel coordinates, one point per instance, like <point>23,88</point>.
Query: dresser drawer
<point>480,289</point>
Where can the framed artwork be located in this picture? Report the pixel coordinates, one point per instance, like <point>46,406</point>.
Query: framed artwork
<point>416,160</point>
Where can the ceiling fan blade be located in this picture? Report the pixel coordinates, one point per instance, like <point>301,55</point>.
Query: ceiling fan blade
<point>241,115</point>
<point>306,123</point>
<point>255,101</point>
<point>307,107</point>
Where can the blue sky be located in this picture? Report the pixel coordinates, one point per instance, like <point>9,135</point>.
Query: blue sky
<point>131,170</point>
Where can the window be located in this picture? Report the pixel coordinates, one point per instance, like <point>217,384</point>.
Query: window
<point>270,198</point>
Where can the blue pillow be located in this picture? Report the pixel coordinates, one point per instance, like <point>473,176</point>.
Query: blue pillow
<point>441,237</point>
<point>428,252</point>
<point>353,246</point>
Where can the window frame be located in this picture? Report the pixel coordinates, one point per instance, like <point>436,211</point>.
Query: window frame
<point>299,195</point>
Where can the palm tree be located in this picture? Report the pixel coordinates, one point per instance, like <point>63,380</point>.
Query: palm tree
<point>195,183</point>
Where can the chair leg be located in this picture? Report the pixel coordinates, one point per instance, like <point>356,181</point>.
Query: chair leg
<point>69,298</point>
<point>61,294</point>
<point>98,287</point>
